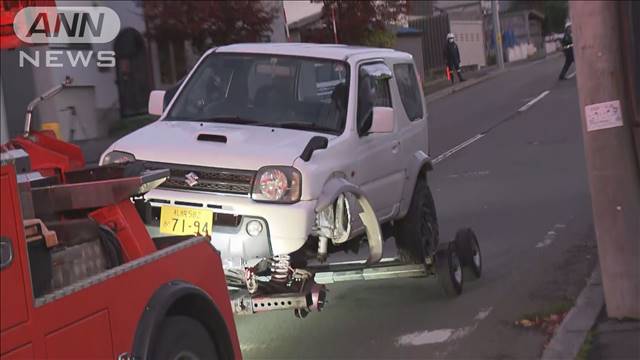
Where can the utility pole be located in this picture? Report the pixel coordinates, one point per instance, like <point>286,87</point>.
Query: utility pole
<point>497,33</point>
<point>333,20</point>
<point>612,164</point>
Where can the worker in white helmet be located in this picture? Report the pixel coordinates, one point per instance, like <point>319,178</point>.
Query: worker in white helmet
<point>567,48</point>
<point>452,57</point>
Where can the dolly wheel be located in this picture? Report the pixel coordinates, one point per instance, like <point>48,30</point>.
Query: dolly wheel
<point>449,270</point>
<point>300,313</point>
<point>469,250</point>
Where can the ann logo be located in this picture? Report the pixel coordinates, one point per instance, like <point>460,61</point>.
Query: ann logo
<point>64,25</point>
<point>77,26</point>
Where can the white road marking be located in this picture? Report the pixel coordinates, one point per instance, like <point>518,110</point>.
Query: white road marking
<point>252,347</point>
<point>470,174</point>
<point>427,337</point>
<point>571,75</point>
<point>550,236</point>
<point>475,138</point>
<point>457,148</point>
<point>483,313</point>
<point>536,99</point>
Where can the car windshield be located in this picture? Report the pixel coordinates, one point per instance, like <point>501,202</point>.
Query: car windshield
<point>266,90</point>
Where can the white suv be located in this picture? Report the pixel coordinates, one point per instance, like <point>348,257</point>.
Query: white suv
<point>290,152</point>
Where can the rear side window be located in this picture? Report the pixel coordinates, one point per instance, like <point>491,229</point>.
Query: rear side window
<point>409,90</point>
<point>373,90</point>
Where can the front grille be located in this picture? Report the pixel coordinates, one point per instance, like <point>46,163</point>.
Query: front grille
<point>228,181</point>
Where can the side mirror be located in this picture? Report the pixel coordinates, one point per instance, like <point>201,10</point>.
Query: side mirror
<point>383,121</point>
<point>156,102</point>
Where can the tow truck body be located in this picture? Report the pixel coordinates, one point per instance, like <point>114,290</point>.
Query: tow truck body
<point>81,278</point>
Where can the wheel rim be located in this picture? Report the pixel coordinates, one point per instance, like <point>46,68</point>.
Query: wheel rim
<point>457,269</point>
<point>476,253</point>
<point>186,355</point>
<point>427,229</point>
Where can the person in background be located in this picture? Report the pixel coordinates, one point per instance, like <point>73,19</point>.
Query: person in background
<point>567,47</point>
<point>452,56</point>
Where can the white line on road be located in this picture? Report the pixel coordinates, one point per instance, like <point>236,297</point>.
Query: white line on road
<point>536,99</point>
<point>473,139</point>
<point>426,337</point>
<point>571,75</point>
<point>470,174</point>
<point>483,313</point>
<point>457,148</point>
<point>550,236</point>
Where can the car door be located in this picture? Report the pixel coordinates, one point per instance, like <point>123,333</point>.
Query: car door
<point>380,171</point>
<point>411,116</point>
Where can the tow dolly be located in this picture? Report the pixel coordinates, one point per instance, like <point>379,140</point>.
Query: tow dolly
<point>306,291</point>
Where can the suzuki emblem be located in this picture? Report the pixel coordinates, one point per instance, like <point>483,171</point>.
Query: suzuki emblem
<point>191,179</point>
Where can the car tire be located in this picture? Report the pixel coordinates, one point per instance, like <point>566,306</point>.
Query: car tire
<point>417,234</point>
<point>182,337</point>
<point>449,270</point>
<point>469,250</point>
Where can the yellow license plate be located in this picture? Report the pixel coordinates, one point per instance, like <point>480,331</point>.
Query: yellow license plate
<point>185,221</point>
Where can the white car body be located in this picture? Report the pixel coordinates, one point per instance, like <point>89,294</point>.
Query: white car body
<point>384,165</point>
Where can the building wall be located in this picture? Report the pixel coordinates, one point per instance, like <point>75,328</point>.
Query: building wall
<point>94,95</point>
<point>470,10</point>
<point>470,40</point>
<point>17,90</point>
<point>278,27</point>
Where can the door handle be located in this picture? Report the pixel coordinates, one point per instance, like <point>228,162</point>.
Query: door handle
<point>6,252</point>
<point>395,148</point>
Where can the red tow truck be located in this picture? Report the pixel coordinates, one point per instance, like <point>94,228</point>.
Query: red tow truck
<point>81,278</point>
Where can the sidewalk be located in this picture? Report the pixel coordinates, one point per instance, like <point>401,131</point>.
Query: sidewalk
<point>436,89</point>
<point>614,339</point>
<point>588,334</point>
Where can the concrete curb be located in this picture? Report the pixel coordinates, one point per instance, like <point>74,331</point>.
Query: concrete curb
<point>570,336</point>
<point>450,90</point>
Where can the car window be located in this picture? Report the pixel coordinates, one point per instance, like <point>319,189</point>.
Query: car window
<point>266,90</point>
<point>373,90</point>
<point>409,90</point>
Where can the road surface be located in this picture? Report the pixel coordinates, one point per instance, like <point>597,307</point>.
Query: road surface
<point>519,179</point>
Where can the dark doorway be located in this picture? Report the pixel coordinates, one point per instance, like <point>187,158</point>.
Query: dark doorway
<point>132,76</point>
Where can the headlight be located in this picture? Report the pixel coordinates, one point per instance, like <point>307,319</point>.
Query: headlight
<point>280,184</point>
<point>117,157</point>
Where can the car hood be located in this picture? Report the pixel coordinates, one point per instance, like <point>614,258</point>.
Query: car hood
<point>247,147</point>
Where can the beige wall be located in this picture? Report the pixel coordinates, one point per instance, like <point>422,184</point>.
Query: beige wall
<point>470,40</point>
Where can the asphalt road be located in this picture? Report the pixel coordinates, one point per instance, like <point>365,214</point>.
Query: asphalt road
<point>521,185</point>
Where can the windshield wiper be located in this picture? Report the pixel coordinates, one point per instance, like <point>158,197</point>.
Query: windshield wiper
<point>227,120</point>
<point>301,126</point>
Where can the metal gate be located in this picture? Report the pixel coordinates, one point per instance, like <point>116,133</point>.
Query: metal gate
<point>434,38</point>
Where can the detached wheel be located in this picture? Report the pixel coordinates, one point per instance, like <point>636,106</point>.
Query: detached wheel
<point>417,233</point>
<point>449,270</point>
<point>469,250</point>
<point>183,338</point>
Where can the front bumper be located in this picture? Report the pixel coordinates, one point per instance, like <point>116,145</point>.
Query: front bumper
<point>286,226</point>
